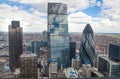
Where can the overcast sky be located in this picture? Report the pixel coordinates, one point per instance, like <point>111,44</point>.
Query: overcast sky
<point>103,15</point>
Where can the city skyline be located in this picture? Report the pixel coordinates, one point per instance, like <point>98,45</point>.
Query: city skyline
<point>101,14</point>
<point>56,52</point>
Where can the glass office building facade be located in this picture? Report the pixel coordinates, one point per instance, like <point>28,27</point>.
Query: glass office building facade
<point>87,47</point>
<point>58,38</point>
<point>114,52</point>
<point>36,45</point>
<point>72,51</point>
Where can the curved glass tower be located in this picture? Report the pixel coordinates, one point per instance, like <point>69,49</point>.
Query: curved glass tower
<point>87,47</point>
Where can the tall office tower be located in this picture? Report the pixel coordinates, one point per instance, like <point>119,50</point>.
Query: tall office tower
<point>58,37</point>
<point>109,67</point>
<point>28,67</point>
<point>15,44</point>
<point>45,36</point>
<point>114,52</point>
<point>72,51</point>
<point>87,47</point>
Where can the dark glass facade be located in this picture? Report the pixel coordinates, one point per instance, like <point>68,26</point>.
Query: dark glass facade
<point>109,67</point>
<point>87,47</point>
<point>115,70</point>
<point>104,66</point>
<point>15,44</point>
<point>114,52</point>
<point>15,24</point>
<point>72,50</point>
<point>58,38</point>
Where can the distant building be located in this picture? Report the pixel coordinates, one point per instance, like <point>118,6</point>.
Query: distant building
<point>17,73</point>
<point>61,75</point>
<point>28,68</point>
<point>75,63</point>
<point>86,71</point>
<point>58,37</point>
<point>71,73</point>
<point>53,69</point>
<point>109,67</point>
<point>36,45</point>
<point>5,75</point>
<point>39,72</point>
<point>45,35</point>
<point>87,47</point>
<point>15,44</point>
<point>114,52</point>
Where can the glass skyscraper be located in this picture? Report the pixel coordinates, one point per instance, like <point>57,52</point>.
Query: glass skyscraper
<point>87,47</point>
<point>15,44</point>
<point>58,38</point>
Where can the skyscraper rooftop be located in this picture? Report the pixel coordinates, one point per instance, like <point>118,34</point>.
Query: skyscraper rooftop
<point>88,29</point>
<point>15,24</point>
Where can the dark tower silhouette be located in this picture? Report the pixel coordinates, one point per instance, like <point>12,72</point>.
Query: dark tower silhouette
<point>15,44</point>
<point>87,47</point>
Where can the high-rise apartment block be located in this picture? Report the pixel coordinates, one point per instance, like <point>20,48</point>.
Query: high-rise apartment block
<point>15,44</point>
<point>87,47</point>
<point>58,37</point>
<point>109,67</point>
<point>28,68</point>
<point>114,52</point>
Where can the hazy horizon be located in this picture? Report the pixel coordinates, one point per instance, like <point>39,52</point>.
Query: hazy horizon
<point>69,32</point>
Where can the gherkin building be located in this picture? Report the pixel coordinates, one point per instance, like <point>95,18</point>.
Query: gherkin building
<point>87,47</point>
